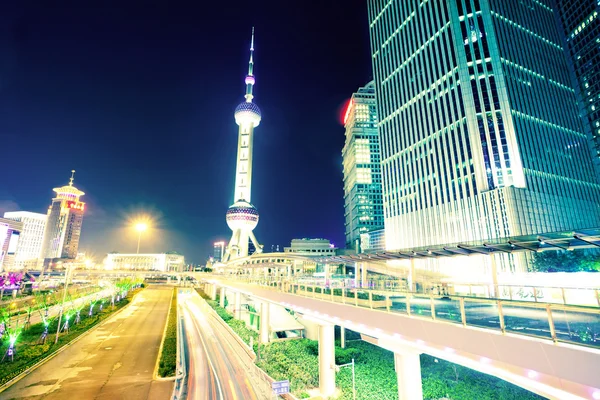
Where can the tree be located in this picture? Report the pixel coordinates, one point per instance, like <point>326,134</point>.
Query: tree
<point>566,261</point>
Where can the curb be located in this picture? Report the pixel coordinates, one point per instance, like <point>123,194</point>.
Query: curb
<point>155,376</point>
<point>59,350</point>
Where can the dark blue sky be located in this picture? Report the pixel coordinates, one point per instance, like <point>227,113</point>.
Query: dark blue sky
<point>138,97</point>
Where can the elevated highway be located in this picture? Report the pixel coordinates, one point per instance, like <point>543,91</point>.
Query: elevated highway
<point>543,360</point>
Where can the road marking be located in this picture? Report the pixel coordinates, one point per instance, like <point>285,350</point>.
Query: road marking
<point>232,389</point>
<point>212,367</point>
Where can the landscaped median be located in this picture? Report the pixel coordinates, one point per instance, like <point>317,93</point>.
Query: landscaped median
<point>25,346</point>
<point>167,365</point>
<point>297,360</point>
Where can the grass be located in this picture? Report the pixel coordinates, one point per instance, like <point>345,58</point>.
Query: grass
<point>30,350</point>
<point>167,365</point>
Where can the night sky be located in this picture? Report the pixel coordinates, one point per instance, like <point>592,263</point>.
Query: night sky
<point>138,97</point>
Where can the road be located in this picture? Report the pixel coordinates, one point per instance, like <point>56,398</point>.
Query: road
<point>115,361</point>
<point>215,363</point>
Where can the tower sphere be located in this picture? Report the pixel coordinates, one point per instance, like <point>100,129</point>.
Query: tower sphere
<point>247,113</point>
<point>242,215</point>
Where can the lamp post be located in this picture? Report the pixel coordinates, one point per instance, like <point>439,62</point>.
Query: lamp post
<point>351,364</point>
<point>140,227</point>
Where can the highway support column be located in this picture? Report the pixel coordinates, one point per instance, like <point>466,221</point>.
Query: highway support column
<point>408,370</point>
<point>264,323</point>
<point>326,359</point>
<point>222,297</point>
<point>343,337</point>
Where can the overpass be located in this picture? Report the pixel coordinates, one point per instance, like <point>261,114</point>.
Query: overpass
<point>499,337</point>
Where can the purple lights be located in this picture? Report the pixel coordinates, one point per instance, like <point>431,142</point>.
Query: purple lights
<point>250,80</point>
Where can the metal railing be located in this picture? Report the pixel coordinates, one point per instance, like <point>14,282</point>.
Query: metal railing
<point>578,325</point>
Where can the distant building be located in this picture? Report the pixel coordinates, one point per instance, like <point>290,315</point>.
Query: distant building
<point>63,227</point>
<point>580,24</point>
<point>363,204</point>
<point>372,242</point>
<point>165,262</point>
<point>311,247</point>
<point>9,240</point>
<point>29,247</point>
<point>218,251</point>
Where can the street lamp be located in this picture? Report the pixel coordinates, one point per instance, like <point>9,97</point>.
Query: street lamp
<point>351,364</point>
<point>62,307</point>
<point>140,227</point>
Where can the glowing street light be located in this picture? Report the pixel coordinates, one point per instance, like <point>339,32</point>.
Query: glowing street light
<point>140,227</point>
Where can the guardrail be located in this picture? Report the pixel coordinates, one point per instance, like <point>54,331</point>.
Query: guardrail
<point>538,294</point>
<point>577,325</point>
<point>179,388</point>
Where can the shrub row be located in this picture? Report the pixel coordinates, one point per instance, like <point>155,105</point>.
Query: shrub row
<point>167,365</point>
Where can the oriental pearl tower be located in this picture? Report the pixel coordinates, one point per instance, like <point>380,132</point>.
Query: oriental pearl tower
<point>242,216</point>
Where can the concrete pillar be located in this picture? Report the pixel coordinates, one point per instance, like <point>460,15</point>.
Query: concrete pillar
<point>326,360</point>
<point>343,337</point>
<point>212,291</point>
<point>237,308</point>
<point>289,271</point>
<point>356,274</point>
<point>363,278</point>
<point>408,370</point>
<point>222,297</point>
<point>411,276</point>
<point>265,316</point>
<point>494,276</point>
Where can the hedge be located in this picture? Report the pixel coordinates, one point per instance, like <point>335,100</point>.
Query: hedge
<point>167,365</point>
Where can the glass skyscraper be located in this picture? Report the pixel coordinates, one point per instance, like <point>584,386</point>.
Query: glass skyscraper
<point>581,26</point>
<point>363,208</point>
<point>479,131</point>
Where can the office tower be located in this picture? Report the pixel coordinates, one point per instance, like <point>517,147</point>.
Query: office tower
<point>218,251</point>
<point>581,28</point>
<point>29,246</point>
<point>242,216</point>
<point>10,231</point>
<point>478,124</point>
<point>363,208</point>
<point>63,227</point>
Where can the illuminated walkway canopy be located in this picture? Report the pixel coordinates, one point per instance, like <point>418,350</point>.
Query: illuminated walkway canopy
<point>566,240</point>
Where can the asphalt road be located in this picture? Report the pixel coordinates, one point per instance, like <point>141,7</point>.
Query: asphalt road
<point>115,361</point>
<point>214,361</point>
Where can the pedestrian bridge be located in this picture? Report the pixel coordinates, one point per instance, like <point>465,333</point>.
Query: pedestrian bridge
<point>550,349</point>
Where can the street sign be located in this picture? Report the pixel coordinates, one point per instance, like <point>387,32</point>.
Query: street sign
<point>281,387</point>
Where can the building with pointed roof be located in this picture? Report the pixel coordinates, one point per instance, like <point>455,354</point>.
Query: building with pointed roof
<point>63,227</point>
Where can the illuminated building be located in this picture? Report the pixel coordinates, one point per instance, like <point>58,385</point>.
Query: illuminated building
<point>29,247</point>
<point>165,262</point>
<point>363,206</point>
<point>9,240</point>
<point>311,247</point>
<point>218,251</point>
<point>242,216</point>
<point>580,23</point>
<point>478,125</point>
<point>63,227</point>
<point>372,241</point>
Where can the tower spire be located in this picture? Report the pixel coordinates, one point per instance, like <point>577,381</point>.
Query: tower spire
<point>250,77</point>
<point>72,177</point>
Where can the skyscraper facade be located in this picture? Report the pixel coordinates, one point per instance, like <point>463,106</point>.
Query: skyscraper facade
<point>63,227</point>
<point>479,132</point>
<point>242,216</point>
<point>10,232</point>
<point>363,208</point>
<point>580,23</point>
<point>29,247</point>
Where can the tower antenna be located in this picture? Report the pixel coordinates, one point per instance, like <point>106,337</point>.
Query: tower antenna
<point>72,177</point>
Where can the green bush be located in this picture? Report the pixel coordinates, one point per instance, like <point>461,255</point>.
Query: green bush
<point>167,365</point>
